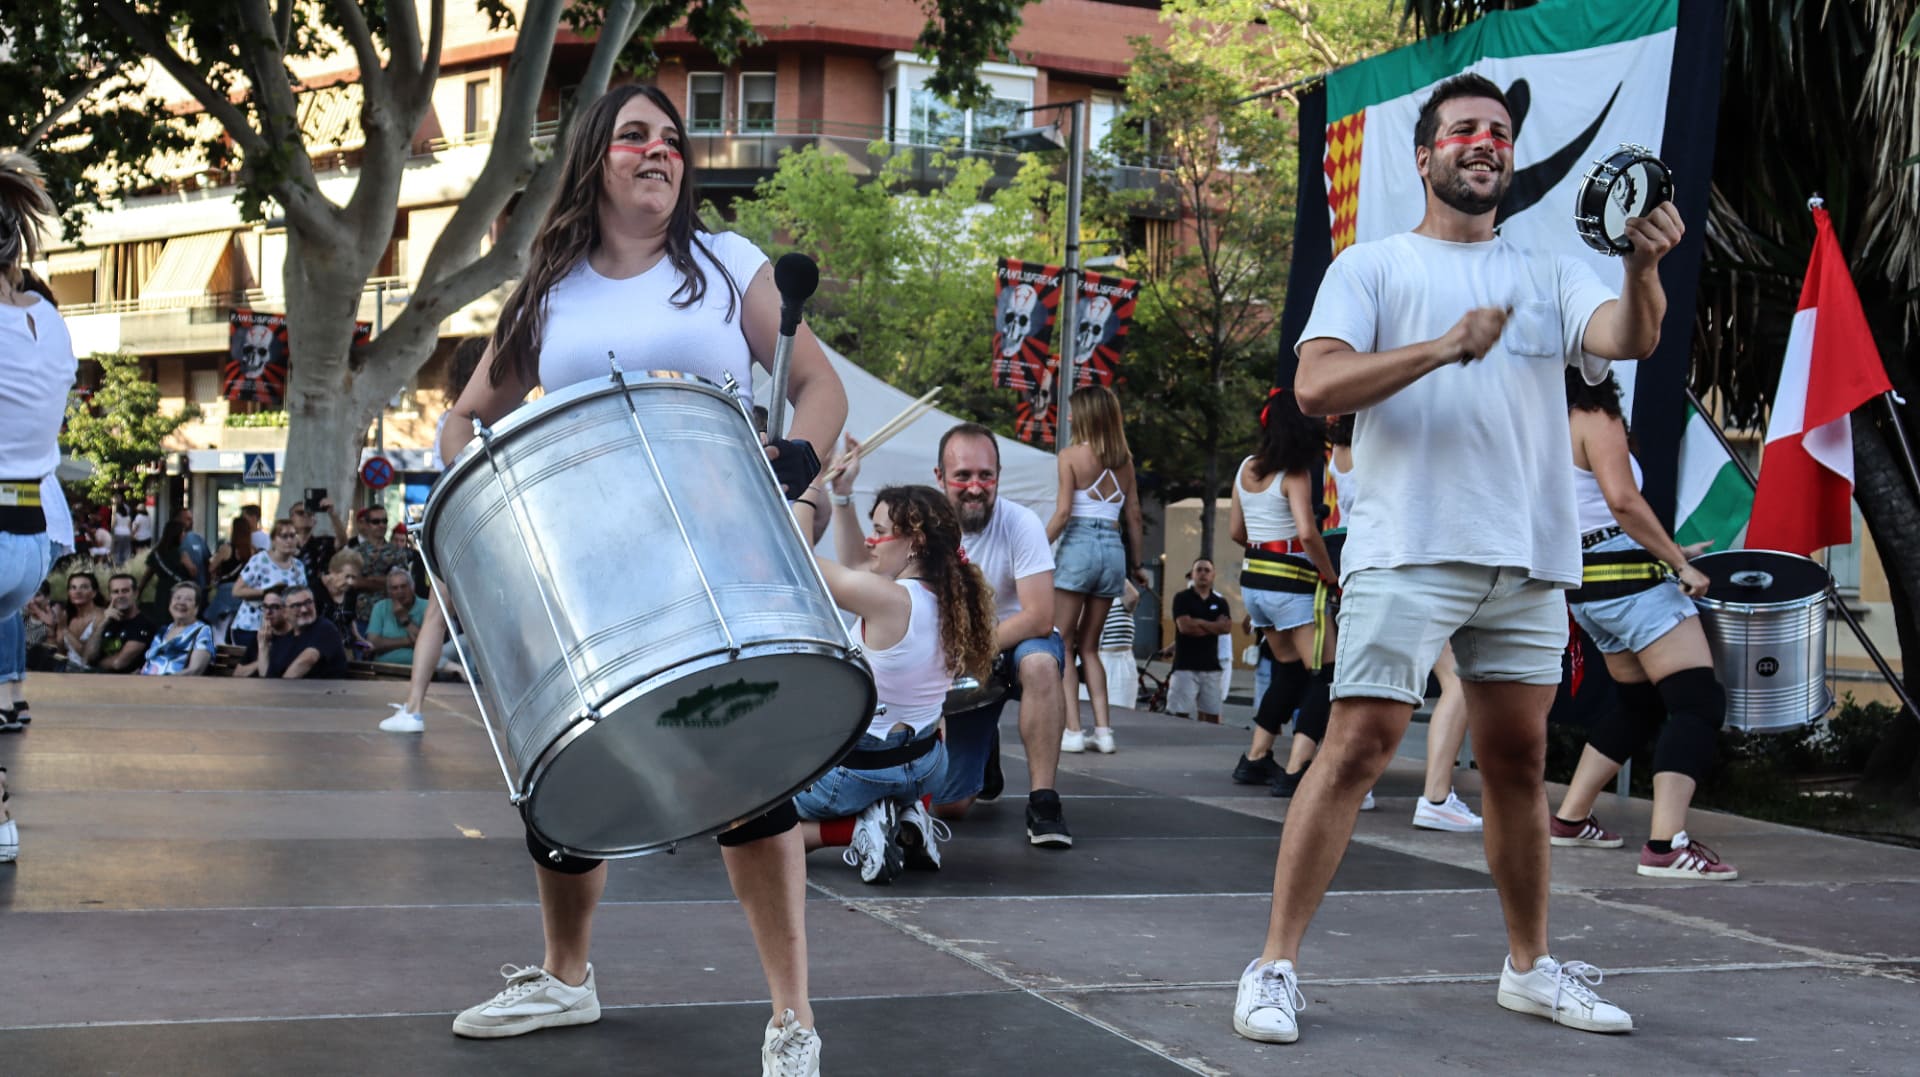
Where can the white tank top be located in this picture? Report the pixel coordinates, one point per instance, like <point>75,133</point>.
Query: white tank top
<point>1346,487</point>
<point>1592,504</point>
<point>911,677</point>
<point>1269,517</point>
<point>1097,506</point>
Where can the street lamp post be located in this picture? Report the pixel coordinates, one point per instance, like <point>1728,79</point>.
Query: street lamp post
<point>1043,139</point>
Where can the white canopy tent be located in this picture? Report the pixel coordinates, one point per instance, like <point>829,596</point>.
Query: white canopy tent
<point>1027,475</point>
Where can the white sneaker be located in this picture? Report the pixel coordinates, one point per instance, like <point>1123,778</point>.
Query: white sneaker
<point>924,855</point>
<point>1073,740</point>
<point>874,850</point>
<point>1451,815</point>
<point>403,720</point>
<point>532,1000</point>
<point>1368,804</point>
<point>788,1050</point>
<point>1103,741</point>
<point>1268,1001</point>
<point>1562,994</point>
<point>9,841</point>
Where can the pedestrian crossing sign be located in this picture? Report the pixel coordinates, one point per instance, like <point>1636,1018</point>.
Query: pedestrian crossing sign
<point>259,469</point>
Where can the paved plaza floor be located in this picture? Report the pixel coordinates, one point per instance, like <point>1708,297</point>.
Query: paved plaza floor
<point>223,877</point>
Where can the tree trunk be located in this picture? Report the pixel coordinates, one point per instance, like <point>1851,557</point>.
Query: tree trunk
<point>1887,501</point>
<point>1209,492</point>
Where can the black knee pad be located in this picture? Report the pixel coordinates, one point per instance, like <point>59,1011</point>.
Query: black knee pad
<point>1697,707</point>
<point>1288,684</point>
<point>1621,731</point>
<point>554,860</point>
<point>777,821</point>
<point>1317,707</point>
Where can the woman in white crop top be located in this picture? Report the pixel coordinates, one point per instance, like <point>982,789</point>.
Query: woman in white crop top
<point>926,616</point>
<point>621,263</point>
<point>1649,633</point>
<point>1091,561</point>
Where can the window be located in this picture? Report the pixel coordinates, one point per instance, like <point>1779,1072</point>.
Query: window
<point>479,119</point>
<point>915,115</point>
<point>707,102</point>
<point>1100,115</point>
<point>756,102</point>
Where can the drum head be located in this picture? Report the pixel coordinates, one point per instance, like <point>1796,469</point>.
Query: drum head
<point>1629,182</point>
<point>1760,577</point>
<point>713,747</point>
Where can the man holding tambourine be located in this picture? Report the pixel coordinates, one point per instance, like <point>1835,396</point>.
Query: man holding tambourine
<point>1448,344</point>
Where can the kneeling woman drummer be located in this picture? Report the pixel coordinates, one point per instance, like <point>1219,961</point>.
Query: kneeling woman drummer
<point>1648,631</point>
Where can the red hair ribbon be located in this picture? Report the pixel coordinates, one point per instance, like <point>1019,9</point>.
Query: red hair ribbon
<point>962,551</point>
<point>1264,408</point>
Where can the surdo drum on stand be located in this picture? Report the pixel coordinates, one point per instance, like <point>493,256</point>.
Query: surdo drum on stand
<point>1629,182</point>
<point>1765,615</point>
<point>654,651</point>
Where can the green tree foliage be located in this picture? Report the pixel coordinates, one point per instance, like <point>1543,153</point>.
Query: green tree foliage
<point>121,430</point>
<point>907,275</point>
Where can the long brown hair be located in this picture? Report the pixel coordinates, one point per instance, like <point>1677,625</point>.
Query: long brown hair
<point>571,231</point>
<point>1097,423</point>
<point>924,517</point>
<point>24,205</point>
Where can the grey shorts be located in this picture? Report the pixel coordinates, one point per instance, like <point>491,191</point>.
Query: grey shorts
<point>1632,622</point>
<point>1504,626</point>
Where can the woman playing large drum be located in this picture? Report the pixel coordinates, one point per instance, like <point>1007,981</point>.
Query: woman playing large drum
<point>622,264</point>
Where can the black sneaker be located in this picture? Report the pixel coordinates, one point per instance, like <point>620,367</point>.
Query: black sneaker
<point>1284,784</point>
<point>1046,823</point>
<point>1256,772</point>
<point>993,783</point>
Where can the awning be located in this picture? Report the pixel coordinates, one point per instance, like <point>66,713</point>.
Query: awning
<point>187,265</point>
<point>63,263</point>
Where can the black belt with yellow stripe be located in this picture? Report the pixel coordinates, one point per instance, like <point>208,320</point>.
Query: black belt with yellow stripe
<point>1264,571</point>
<point>1617,574</point>
<point>20,512</point>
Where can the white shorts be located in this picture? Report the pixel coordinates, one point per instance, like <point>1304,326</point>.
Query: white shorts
<point>1192,691</point>
<point>1393,622</point>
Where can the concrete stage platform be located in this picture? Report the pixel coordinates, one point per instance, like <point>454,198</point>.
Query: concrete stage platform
<point>223,877</point>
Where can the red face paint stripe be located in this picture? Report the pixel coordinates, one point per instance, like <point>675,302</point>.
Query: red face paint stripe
<point>1469,140</point>
<point>648,148</point>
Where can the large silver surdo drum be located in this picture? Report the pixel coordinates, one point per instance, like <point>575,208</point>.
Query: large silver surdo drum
<point>653,649</point>
<point>1765,615</point>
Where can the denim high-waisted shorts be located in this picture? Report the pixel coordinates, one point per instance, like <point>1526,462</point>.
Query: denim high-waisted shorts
<point>1090,558</point>
<point>1632,622</point>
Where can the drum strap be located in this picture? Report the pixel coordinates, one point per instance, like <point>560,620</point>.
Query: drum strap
<point>20,511</point>
<point>1323,607</point>
<point>1618,574</point>
<point>884,758</point>
<point>1265,571</point>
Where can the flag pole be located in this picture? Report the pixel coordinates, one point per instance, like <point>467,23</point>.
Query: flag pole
<point>1833,593</point>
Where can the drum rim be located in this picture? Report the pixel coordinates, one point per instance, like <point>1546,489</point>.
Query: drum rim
<point>1720,604</point>
<point>1589,221</point>
<point>527,413</point>
<point>578,728</point>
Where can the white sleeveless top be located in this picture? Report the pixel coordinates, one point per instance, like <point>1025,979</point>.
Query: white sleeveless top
<point>1591,503</point>
<point>1346,487</point>
<point>1269,517</point>
<point>1087,503</point>
<point>911,677</point>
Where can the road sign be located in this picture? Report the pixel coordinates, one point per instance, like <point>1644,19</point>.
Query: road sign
<point>377,472</point>
<point>258,470</point>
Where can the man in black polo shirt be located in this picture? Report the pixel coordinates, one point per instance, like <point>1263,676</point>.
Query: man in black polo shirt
<point>1200,618</point>
<point>124,637</point>
<point>313,649</point>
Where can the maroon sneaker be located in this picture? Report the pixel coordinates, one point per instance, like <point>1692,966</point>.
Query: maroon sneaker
<point>1587,832</point>
<point>1688,860</point>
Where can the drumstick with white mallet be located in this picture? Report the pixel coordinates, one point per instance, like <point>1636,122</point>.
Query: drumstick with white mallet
<point>879,437</point>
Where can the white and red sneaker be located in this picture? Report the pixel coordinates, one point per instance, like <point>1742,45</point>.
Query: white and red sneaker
<point>1587,832</point>
<point>1688,860</point>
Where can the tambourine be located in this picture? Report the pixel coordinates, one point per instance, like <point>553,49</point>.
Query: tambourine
<point>1628,182</point>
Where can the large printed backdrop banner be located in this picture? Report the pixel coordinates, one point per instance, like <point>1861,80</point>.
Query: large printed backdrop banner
<point>1105,316</point>
<point>1580,79</point>
<point>1026,308</point>
<point>256,357</point>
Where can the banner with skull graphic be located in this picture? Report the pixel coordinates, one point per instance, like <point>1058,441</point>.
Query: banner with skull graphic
<point>1026,300</point>
<point>256,358</point>
<point>1106,313</point>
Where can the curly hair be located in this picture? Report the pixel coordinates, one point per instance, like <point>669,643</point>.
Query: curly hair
<point>1289,439</point>
<point>1603,398</point>
<point>925,518</point>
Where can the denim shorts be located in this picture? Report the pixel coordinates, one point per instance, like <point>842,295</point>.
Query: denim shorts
<point>1090,558</point>
<point>1632,622</point>
<point>1505,626</point>
<point>24,560</point>
<point>1277,609</point>
<point>841,792</point>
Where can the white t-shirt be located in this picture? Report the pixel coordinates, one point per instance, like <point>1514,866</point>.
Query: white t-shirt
<point>36,370</point>
<point>142,526</point>
<point>589,315</point>
<point>1469,463</point>
<point>1013,546</point>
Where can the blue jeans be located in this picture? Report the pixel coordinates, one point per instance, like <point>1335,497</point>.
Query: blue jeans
<point>13,649</point>
<point>843,792</point>
<point>24,560</point>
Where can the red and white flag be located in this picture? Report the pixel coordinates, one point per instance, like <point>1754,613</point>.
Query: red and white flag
<point>1832,367</point>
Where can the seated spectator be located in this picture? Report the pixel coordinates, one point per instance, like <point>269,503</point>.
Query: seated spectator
<point>294,642</point>
<point>122,643</point>
<point>78,621</point>
<point>335,598</point>
<point>185,646</point>
<point>41,630</point>
<point>274,621</point>
<point>396,620</point>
